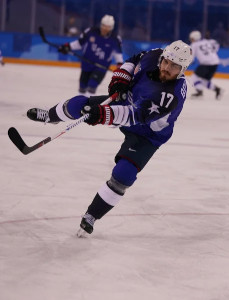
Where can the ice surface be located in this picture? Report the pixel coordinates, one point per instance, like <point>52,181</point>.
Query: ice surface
<point>168,239</point>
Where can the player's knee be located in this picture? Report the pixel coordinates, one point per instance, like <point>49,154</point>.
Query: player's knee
<point>71,109</point>
<point>123,176</point>
<point>75,105</point>
<point>117,186</point>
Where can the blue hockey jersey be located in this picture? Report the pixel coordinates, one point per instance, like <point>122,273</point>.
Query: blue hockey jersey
<point>152,106</point>
<point>99,49</point>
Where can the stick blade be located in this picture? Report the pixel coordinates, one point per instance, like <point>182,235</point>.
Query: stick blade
<point>44,39</point>
<point>21,145</point>
<point>17,140</point>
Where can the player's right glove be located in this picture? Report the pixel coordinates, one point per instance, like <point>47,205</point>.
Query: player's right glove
<point>65,48</point>
<point>98,114</point>
<point>120,82</point>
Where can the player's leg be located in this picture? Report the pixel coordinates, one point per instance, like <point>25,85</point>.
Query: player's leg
<point>96,77</point>
<point>207,82</point>
<point>110,193</point>
<point>132,157</point>
<point>66,110</point>
<point>197,83</point>
<point>1,59</point>
<point>83,82</point>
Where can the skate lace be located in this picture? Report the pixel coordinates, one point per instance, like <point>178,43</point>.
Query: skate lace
<point>89,218</point>
<point>43,115</point>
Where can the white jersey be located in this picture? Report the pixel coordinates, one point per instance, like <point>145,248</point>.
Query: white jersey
<point>206,52</point>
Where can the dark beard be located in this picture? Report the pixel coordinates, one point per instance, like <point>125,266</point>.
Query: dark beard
<point>162,76</point>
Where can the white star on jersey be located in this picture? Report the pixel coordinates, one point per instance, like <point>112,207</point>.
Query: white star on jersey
<point>153,108</point>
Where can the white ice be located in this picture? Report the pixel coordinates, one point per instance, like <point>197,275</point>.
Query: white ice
<point>168,239</point>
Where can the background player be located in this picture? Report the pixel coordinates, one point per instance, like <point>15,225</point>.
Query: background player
<point>99,45</point>
<point>205,50</point>
<point>156,90</point>
<point>1,59</point>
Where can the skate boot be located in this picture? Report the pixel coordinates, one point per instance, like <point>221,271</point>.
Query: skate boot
<point>198,93</point>
<point>40,115</point>
<point>218,93</point>
<point>86,225</point>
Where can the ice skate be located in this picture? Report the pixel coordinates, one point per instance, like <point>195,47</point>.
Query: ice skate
<point>39,115</point>
<point>86,225</point>
<point>198,94</point>
<point>218,93</point>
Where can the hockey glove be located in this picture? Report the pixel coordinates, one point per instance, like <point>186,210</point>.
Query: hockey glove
<point>98,114</point>
<point>120,82</point>
<point>64,48</point>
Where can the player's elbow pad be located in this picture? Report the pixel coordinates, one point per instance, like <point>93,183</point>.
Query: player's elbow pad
<point>123,115</point>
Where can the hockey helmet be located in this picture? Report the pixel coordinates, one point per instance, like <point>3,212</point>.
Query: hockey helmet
<point>180,53</point>
<point>195,35</point>
<point>108,21</point>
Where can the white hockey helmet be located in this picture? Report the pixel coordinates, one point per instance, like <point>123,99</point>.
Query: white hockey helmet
<point>180,53</point>
<point>195,35</point>
<point>108,21</point>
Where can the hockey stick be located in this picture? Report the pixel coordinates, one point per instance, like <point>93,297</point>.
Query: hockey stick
<point>42,34</point>
<point>16,138</point>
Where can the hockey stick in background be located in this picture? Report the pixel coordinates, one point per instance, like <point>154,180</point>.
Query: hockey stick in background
<point>16,138</point>
<point>42,34</point>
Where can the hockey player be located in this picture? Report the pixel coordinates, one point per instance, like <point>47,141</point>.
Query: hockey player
<point>1,59</point>
<point>156,90</point>
<point>99,45</point>
<point>205,50</point>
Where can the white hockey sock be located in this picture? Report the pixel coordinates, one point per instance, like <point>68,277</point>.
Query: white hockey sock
<point>60,111</point>
<point>197,82</point>
<point>108,195</point>
<point>211,86</point>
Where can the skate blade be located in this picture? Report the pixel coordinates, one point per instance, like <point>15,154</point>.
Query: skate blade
<point>81,233</point>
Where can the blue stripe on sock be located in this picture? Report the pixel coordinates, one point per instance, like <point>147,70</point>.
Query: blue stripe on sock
<point>197,82</point>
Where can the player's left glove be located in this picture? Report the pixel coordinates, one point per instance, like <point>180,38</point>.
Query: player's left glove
<point>120,82</point>
<point>65,48</point>
<point>98,114</point>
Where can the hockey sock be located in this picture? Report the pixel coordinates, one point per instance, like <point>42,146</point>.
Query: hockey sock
<point>98,208</point>
<point>107,197</point>
<point>211,86</point>
<point>123,176</point>
<point>197,82</point>
<point>53,115</point>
